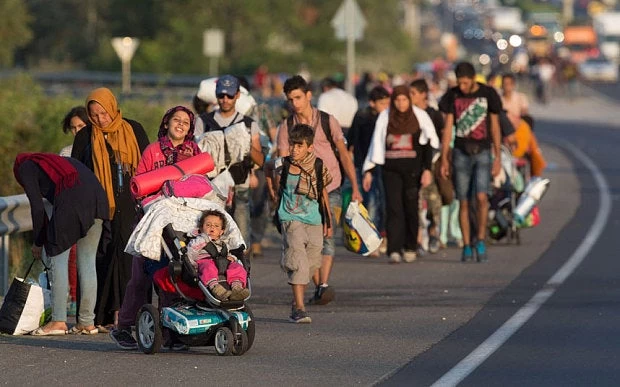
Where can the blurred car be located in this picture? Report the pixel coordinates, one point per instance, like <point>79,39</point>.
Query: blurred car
<point>599,69</point>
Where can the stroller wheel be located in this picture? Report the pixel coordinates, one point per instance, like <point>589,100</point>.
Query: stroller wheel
<point>241,342</point>
<point>224,341</point>
<point>148,329</point>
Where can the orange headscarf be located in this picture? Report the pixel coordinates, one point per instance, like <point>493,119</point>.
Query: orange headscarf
<point>120,135</point>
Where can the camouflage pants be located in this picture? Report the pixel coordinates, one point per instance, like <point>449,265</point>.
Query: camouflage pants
<point>430,195</point>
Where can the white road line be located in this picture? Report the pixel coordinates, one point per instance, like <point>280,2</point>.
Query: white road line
<point>510,327</point>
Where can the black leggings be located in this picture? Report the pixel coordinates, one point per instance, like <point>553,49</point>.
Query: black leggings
<point>401,201</point>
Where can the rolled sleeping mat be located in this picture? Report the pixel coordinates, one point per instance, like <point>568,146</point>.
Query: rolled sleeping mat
<point>149,182</point>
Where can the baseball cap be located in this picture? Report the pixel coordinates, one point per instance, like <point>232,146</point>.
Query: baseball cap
<point>227,84</point>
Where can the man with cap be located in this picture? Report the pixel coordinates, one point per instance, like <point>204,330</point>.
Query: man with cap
<point>227,93</point>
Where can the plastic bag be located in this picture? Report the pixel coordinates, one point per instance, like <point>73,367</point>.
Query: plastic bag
<point>532,219</point>
<point>22,307</point>
<point>46,316</point>
<point>360,234</point>
<point>224,185</point>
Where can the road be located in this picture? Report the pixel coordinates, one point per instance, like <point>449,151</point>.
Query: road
<point>571,340</point>
<point>410,324</point>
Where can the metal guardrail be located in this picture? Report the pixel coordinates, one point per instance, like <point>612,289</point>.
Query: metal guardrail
<point>14,218</point>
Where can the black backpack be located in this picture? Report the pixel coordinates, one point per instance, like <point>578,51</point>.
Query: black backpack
<point>239,171</point>
<point>318,167</point>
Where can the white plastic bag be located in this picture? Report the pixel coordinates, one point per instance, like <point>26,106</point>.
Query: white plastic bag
<point>360,234</point>
<point>224,185</point>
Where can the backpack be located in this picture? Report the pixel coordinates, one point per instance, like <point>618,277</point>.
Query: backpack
<point>324,118</point>
<point>239,171</point>
<point>318,167</point>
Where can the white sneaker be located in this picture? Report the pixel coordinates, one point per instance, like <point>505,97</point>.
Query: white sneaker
<point>383,246</point>
<point>409,256</point>
<point>395,258</point>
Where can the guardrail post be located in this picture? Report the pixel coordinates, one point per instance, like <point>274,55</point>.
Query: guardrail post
<point>4,267</point>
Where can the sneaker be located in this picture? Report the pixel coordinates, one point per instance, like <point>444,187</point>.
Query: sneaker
<point>299,316</point>
<point>123,339</point>
<point>383,246</point>
<point>481,252</point>
<point>323,295</point>
<point>420,251</point>
<point>257,250</point>
<point>220,292</point>
<point>395,257</point>
<point>239,293</point>
<point>175,345</point>
<point>409,256</point>
<point>433,245</point>
<point>467,254</point>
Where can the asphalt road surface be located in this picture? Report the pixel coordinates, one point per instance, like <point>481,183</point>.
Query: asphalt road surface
<point>410,324</point>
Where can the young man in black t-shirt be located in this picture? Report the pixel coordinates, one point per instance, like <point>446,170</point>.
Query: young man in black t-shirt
<point>473,109</point>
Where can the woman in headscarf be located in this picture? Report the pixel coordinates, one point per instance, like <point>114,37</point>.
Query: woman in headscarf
<point>401,142</point>
<point>111,147</point>
<point>175,142</point>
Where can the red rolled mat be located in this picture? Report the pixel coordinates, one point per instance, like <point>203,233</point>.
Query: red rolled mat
<point>149,182</point>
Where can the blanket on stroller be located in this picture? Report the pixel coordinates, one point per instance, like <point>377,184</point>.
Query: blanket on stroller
<point>184,214</point>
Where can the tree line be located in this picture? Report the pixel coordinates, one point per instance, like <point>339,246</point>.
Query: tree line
<point>282,34</point>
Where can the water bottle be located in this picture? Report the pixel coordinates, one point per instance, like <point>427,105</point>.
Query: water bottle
<point>119,171</point>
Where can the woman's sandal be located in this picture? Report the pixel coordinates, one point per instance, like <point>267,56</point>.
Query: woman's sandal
<point>106,328</point>
<point>52,332</point>
<point>76,330</point>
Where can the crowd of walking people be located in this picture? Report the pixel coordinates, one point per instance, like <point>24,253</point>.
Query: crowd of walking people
<point>420,154</point>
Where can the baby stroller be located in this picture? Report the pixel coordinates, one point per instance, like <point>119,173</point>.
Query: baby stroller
<point>195,317</point>
<point>506,190</point>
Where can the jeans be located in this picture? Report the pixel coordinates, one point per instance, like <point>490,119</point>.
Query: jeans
<point>258,214</point>
<point>472,173</point>
<point>241,215</point>
<point>87,274</point>
<point>374,198</point>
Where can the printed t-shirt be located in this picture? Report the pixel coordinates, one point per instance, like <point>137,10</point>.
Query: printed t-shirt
<point>471,112</point>
<point>298,207</point>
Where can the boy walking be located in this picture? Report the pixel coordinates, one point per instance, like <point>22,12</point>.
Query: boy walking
<point>303,214</point>
<point>329,145</point>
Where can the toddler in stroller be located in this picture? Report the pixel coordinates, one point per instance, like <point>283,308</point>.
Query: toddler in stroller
<point>210,255</point>
<point>190,311</point>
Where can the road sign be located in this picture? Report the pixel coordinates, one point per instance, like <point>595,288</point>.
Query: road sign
<point>125,48</point>
<point>213,40</point>
<point>349,21</point>
<point>213,48</point>
<point>349,24</point>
